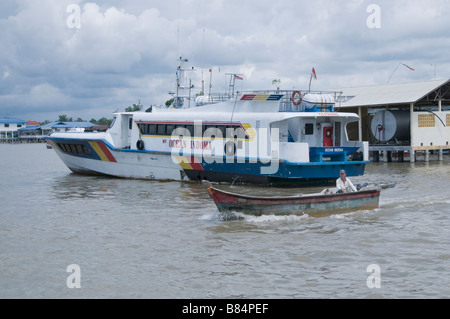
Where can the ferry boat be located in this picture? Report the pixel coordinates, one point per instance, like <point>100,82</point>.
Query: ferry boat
<point>292,138</point>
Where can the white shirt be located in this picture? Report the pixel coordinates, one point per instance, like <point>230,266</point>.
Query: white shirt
<point>348,185</point>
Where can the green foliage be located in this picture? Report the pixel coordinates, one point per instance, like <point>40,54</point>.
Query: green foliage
<point>169,102</point>
<point>134,108</point>
<point>102,121</point>
<point>64,118</point>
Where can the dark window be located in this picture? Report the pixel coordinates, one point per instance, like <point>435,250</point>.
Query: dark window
<point>309,129</point>
<point>223,130</point>
<point>169,129</point>
<point>80,149</point>
<point>213,132</point>
<point>77,149</point>
<point>161,129</point>
<point>73,148</point>
<point>152,129</point>
<point>190,128</point>
<point>142,128</point>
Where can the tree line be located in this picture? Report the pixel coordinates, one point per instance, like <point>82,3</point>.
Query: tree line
<point>101,121</point>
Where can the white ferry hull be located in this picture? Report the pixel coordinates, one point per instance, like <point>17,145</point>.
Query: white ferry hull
<point>101,158</point>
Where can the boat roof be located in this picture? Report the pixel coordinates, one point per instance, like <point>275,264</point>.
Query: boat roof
<point>186,115</point>
<point>257,106</point>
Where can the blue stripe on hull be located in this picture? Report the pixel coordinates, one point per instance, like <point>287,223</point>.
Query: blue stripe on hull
<point>287,171</point>
<point>307,174</point>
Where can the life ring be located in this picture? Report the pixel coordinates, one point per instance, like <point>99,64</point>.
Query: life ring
<point>296,97</point>
<point>230,148</point>
<point>140,145</point>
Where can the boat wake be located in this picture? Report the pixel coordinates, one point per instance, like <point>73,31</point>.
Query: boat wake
<point>408,203</point>
<point>272,218</point>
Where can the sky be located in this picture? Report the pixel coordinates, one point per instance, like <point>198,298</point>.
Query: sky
<point>88,59</point>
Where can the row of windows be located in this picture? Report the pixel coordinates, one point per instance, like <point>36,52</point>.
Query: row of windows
<point>77,149</point>
<point>216,131</point>
<point>7,125</point>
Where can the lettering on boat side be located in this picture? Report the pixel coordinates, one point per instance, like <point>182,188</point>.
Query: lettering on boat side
<point>374,280</point>
<point>263,148</point>
<point>199,145</point>
<point>74,279</point>
<point>328,114</point>
<point>333,150</point>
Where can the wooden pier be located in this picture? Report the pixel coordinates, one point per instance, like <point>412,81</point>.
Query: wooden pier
<point>391,153</point>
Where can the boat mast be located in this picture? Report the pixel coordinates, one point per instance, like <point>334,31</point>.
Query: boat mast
<point>183,84</point>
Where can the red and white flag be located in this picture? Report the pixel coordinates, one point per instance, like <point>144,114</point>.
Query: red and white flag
<point>408,67</point>
<point>237,77</point>
<point>314,73</point>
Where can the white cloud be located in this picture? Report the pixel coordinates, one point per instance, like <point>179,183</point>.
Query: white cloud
<point>127,50</point>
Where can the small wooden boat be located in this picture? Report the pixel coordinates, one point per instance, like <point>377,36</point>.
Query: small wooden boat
<point>326,202</point>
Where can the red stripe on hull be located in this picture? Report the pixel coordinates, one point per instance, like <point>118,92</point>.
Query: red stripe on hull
<point>105,150</point>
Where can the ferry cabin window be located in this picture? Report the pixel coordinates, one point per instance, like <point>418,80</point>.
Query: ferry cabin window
<point>161,129</point>
<point>215,131</point>
<point>169,129</point>
<point>190,128</point>
<point>309,129</point>
<point>211,131</point>
<point>151,129</point>
<point>78,149</point>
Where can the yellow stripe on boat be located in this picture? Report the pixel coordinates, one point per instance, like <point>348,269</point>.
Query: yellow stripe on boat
<point>183,162</point>
<point>261,97</point>
<point>99,151</point>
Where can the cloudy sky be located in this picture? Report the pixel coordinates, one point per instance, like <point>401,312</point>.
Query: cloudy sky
<point>88,59</point>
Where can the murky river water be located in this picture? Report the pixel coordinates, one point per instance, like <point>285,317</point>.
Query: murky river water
<point>141,239</point>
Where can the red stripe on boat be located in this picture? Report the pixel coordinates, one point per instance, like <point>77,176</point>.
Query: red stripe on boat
<point>107,153</point>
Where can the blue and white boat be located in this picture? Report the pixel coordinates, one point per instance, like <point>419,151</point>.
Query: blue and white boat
<point>264,137</point>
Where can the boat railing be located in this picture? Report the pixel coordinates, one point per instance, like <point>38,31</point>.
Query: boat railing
<point>212,98</point>
<point>292,100</point>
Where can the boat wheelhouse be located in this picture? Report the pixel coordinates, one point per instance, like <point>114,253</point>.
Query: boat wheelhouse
<point>264,137</point>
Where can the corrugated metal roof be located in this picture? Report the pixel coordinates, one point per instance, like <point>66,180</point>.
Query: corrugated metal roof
<point>67,125</point>
<point>7,120</point>
<point>388,94</point>
<point>29,128</point>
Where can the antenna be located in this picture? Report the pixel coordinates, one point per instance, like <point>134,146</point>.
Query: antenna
<point>400,63</point>
<point>434,74</point>
<point>178,26</point>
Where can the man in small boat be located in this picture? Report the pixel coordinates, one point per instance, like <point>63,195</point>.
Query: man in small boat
<point>344,185</point>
